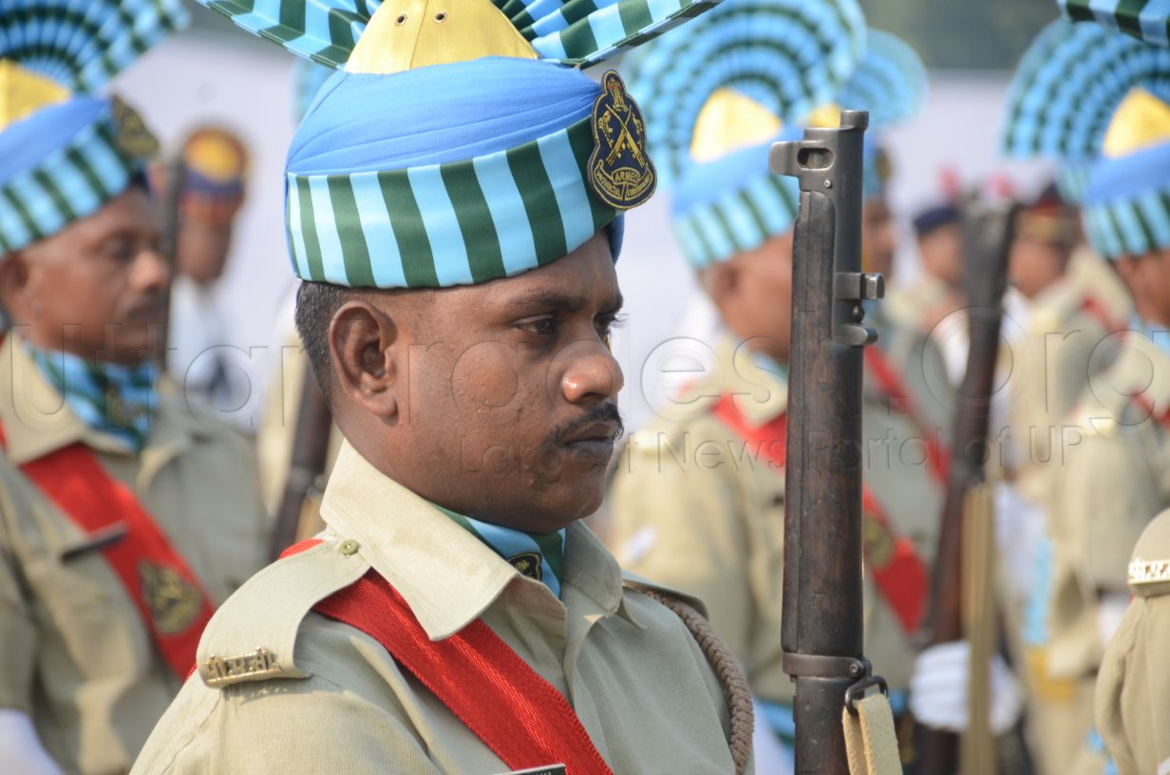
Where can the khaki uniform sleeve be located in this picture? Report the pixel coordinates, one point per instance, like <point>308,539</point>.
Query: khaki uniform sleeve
<point>683,528</point>
<point>1132,713</point>
<point>18,633</point>
<point>291,727</point>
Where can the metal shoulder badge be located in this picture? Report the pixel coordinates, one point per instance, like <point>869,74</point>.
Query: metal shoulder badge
<point>620,170</point>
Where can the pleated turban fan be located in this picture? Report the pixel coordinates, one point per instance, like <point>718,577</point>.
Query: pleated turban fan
<point>65,151</point>
<point>1096,99</point>
<point>458,141</point>
<point>890,82</point>
<point>1147,20</point>
<point>719,93</point>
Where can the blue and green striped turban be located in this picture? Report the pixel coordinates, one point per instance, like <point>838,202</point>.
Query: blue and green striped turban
<point>719,94</point>
<point>65,153</point>
<point>1095,100</point>
<point>1147,20</point>
<point>458,143</point>
<point>890,82</point>
<point>1068,85</point>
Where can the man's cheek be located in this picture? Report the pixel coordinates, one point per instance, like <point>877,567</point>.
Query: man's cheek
<point>487,385</point>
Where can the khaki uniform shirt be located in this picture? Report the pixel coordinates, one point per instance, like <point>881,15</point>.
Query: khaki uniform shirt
<point>74,652</point>
<point>1133,690</point>
<point>337,702</point>
<point>692,506</point>
<point>1063,346</point>
<point>1114,474</point>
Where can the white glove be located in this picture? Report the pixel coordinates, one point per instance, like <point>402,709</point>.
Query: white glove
<point>938,689</point>
<point>20,748</point>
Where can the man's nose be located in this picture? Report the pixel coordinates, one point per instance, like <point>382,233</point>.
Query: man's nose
<point>591,374</point>
<point>150,271</point>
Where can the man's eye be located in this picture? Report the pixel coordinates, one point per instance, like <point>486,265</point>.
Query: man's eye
<point>546,327</point>
<point>607,323</point>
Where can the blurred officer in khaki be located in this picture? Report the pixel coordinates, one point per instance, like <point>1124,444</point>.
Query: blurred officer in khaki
<point>124,519</point>
<point>1108,474</point>
<point>697,497</point>
<point>456,222</point>
<point>1132,712</point>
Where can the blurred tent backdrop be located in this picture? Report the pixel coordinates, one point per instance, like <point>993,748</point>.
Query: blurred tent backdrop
<point>216,73</point>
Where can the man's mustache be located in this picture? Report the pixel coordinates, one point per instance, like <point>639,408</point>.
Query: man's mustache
<point>606,412</point>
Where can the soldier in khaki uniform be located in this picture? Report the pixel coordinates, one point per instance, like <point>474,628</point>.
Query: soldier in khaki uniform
<point>1108,475</point>
<point>456,221</point>
<point>124,517</point>
<point>1134,681</point>
<point>697,498</point>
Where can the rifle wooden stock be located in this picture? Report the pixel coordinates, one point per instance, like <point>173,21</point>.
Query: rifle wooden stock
<point>309,454</point>
<point>987,237</point>
<point>821,631</point>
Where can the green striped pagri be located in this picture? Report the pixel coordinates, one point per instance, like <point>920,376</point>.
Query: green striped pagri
<point>447,224</point>
<point>1132,226</point>
<point>741,219</point>
<point>1143,19</point>
<point>70,183</point>
<point>82,45</point>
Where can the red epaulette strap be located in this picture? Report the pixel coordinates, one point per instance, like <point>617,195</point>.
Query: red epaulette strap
<point>168,596</point>
<point>893,562</point>
<point>519,715</point>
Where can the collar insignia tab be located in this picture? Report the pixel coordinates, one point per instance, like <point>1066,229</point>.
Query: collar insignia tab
<point>620,171</point>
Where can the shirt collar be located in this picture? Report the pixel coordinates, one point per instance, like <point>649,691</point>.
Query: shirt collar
<point>37,421</point>
<point>447,576</point>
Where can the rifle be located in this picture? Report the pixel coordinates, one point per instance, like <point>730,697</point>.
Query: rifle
<point>821,631</point>
<point>172,197</point>
<point>309,453</point>
<point>987,238</point>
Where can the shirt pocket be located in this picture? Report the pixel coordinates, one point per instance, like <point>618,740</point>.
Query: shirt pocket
<point>86,616</point>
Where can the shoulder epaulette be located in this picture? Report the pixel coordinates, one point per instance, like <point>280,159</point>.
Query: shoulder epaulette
<point>637,583</point>
<point>252,635</point>
<point>1149,570</point>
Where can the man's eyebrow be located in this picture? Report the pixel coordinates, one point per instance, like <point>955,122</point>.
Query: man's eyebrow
<point>564,301</point>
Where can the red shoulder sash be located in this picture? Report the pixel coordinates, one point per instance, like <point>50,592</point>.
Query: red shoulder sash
<point>520,716</point>
<point>897,570</point>
<point>891,383</point>
<point>169,598</point>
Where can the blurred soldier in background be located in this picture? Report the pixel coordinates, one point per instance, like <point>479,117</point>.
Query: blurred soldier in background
<point>124,519</point>
<point>1106,477</point>
<point>213,165</point>
<point>697,500</point>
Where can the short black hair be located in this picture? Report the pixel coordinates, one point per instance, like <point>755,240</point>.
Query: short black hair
<point>317,303</point>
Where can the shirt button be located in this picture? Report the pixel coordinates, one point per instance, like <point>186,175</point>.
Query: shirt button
<point>349,547</point>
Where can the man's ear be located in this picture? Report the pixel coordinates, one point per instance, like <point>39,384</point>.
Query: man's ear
<point>13,279</point>
<point>363,343</point>
<point>722,282</point>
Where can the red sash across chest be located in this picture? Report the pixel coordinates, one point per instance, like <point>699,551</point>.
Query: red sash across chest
<point>893,563</point>
<point>168,596</point>
<point>520,716</point>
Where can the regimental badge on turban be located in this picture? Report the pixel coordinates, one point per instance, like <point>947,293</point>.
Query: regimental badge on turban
<point>455,143</point>
<point>1096,100</point>
<point>620,171</point>
<point>717,95</point>
<point>63,152</point>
